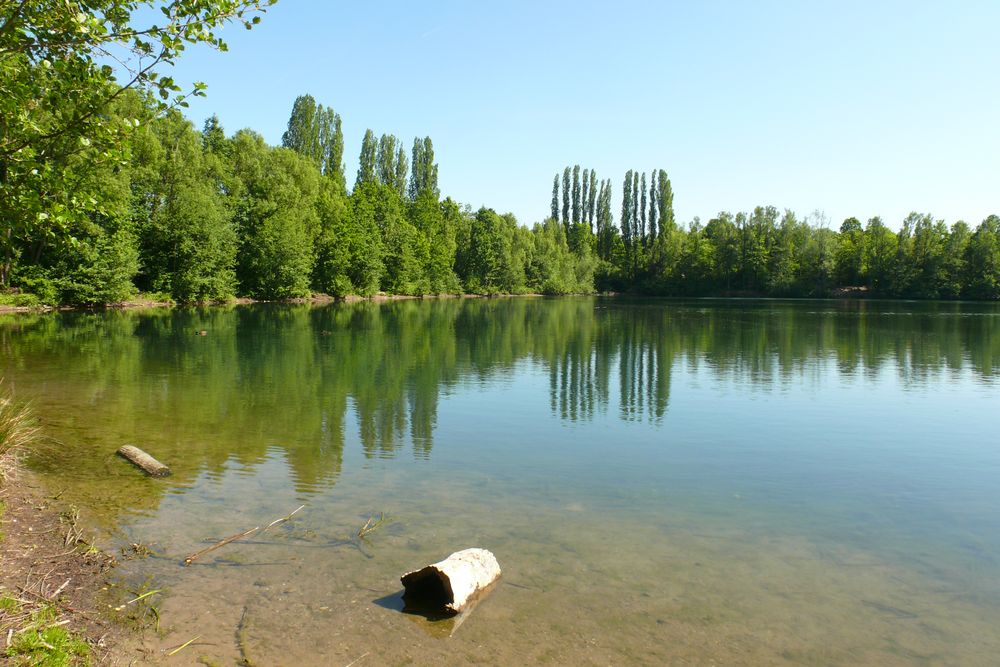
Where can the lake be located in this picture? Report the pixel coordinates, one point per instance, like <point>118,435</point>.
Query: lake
<point>663,482</point>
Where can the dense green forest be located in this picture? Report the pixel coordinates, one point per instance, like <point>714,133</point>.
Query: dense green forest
<point>205,216</point>
<point>108,191</point>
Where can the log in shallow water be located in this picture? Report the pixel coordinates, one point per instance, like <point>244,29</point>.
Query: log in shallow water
<point>143,460</point>
<point>450,585</point>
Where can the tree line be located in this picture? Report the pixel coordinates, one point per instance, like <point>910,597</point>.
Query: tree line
<point>206,216</point>
<point>766,251</point>
<point>106,190</point>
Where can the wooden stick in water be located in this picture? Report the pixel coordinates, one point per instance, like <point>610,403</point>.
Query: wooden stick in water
<point>183,646</point>
<point>195,556</point>
<point>241,640</point>
<point>283,519</point>
<point>371,524</point>
<point>232,538</point>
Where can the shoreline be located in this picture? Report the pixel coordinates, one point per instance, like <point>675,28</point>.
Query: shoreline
<point>316,299</point>
<point>54,583</point>
<point>324,299</point>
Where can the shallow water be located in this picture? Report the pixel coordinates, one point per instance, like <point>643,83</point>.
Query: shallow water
<point>663,482</point>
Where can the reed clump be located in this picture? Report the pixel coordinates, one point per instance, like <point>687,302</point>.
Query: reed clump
<point>18,429</point>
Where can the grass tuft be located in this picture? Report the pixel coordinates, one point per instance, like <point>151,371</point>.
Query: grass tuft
<point>34,635</point>
<point>17,425</point>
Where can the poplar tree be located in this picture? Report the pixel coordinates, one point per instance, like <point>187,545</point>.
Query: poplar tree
<point>599,201</point>
<point>635,205</point>
<point>642,209</point>
<point>337,151</point>
<point>565,198</point>
<point>555,197</point>
<point>584,195</point>
<point>424,173</point>
<point>593,198</point>
<point>315,132</point>
<point>609,219</point>
<point>385,161</point>
<point>331,141</point>
<point>366,160</point>
<point>653,210</point>
<point>576,193</point>
<point>627,215</point>
<point>602,222</point>
<point>665,201</point>
<point>416,171</point>
<point>431,168</point>
<point>402,168</point>
<point>302,135</point>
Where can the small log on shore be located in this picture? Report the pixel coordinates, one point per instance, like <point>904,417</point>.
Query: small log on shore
<point>143,460</point>
<point>450,585</point>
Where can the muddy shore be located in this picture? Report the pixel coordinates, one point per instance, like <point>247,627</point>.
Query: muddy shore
<point>53,579</point>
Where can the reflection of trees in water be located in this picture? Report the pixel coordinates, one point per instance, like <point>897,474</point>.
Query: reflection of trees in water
<point>294,377</point>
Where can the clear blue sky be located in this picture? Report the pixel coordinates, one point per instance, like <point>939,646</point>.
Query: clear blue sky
<point>851,108</point>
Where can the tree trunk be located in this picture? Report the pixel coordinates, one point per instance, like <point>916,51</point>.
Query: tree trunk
<point>450,585</point>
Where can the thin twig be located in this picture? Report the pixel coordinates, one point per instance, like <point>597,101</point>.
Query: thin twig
<point>357,660</point>
<point>372,524</point>
<point>184,646</point>
<point>282,519</point>
<point>241,639</point>
<point>247,533</point>
<point>141,597</point>
<point>59,590</point>
<point>195,556</point>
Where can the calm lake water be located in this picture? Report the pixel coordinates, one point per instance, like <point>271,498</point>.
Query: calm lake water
<point>663,482</point>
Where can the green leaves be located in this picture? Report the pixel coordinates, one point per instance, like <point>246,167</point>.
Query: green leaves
<point>56,106</point>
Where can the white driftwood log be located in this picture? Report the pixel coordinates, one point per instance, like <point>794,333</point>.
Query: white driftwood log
<point>451,584</point>
<point>143,460</point>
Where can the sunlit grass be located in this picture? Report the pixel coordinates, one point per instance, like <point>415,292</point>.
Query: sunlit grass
<point>37,636</point>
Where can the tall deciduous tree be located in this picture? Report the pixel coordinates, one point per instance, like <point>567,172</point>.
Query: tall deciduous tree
<point>983,260</point>
<point>627,221</point>
<point>665,202</point>
<point>385,160</point>
<point>315,131</point>
<point>277,218</point>
<point>402,168</point>
<point>593,199</point>
<point>554,211</point>
<point>879,253</point>
<point>634,199</point>
<point>850,253</point>
<point>424,171</point>
<point>576,194</point>
<point>653,206</point>
<point>642,208</point>
<point>366,160</point>
<point>331,138</point>
<point>187,236</point>
<point>566,197</point>
<point>302,135</point>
